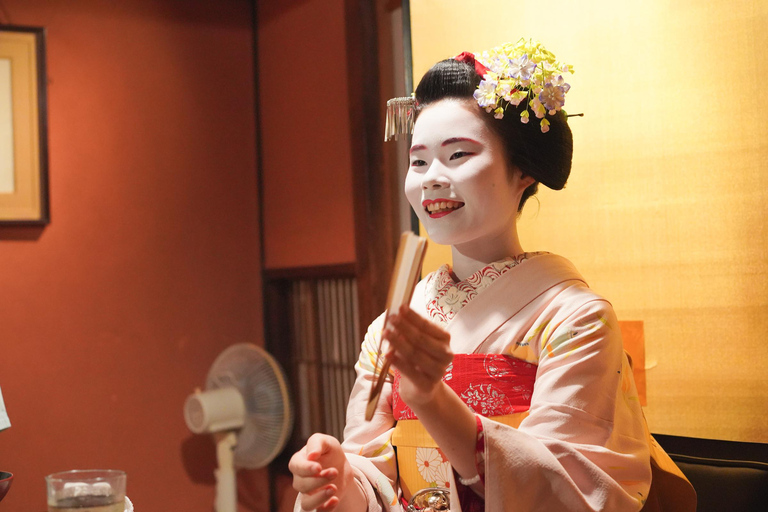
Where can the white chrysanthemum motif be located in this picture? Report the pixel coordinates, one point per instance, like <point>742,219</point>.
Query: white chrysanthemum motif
<point>486,400</point>
<point>451,300</point>
<point>442,475</point>
<point>497,367</point>
<point>428,462</point>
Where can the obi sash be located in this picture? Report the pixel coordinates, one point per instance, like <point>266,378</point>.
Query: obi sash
<point>492,385</point>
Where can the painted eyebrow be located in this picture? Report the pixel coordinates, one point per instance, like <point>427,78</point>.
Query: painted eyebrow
<point>452,140</point>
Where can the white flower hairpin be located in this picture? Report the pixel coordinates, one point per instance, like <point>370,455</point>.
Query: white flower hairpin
<point>524,71</point>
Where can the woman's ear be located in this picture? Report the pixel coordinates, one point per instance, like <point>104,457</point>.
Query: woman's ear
<point>523,181</point>
<point>526,181</point>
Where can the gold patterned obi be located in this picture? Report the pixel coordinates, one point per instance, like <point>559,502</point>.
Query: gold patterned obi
<point>493,385</point>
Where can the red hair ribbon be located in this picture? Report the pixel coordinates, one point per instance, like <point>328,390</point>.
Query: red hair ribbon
<point>469,58</point>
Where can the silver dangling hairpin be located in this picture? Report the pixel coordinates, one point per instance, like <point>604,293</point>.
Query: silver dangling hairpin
<point>400,117</point>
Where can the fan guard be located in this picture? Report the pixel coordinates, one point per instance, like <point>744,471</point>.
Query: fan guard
<point>263,386</point>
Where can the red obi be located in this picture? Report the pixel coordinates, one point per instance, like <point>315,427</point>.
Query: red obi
<point>490,385</point>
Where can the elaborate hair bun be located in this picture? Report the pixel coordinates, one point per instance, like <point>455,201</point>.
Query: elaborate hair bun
<point>544,155</point>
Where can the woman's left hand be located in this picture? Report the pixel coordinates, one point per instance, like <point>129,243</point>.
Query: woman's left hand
<point>421,351</point>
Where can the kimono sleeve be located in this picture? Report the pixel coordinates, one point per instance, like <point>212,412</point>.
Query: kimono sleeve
<point>368,443</point>
<point>584,445</point>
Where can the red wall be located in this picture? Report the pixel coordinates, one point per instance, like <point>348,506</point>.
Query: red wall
<point>305,133</point>
<point>112,314</point>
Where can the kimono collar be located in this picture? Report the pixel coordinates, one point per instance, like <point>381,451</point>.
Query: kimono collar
<point>445,296</point>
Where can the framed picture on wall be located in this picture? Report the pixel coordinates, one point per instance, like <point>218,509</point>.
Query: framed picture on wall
<point>23,127</point>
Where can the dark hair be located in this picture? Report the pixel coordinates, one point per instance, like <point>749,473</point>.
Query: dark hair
<point>544,156</point>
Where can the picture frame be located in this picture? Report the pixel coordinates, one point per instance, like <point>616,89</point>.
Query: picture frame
<point>23,127</point>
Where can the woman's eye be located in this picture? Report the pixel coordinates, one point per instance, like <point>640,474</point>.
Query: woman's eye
<point>418,163</point>
<point>460,154</point>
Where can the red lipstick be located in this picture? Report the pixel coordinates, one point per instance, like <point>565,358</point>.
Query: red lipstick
<point>435,213</point>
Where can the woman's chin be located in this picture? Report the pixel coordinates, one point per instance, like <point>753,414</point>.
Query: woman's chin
<point>446,237</point>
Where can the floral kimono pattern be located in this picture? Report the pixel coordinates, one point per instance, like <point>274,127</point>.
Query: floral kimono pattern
<point>583,444</point>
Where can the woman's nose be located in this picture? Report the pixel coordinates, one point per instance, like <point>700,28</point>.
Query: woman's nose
<point>432,185</point>
<point>434,179</point>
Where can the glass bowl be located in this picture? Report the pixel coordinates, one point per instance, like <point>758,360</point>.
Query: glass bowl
<point>5,483</point>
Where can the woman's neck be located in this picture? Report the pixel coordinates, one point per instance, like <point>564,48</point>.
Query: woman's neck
<point>471,257</point>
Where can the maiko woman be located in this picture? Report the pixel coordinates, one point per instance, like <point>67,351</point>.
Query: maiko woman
<point>511,389</point>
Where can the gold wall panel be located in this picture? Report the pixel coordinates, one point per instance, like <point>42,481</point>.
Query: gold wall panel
<point>665,212</point>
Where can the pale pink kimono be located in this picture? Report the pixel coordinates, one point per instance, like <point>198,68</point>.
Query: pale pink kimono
<point>584,445</point>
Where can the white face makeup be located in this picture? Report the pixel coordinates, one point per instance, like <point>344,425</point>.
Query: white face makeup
<point>457,181</point>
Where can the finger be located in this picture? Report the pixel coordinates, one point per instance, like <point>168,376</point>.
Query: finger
<point>308,475</point>
<point>423,343</point>
<point>306,470</point>
<point>317,446</point>
<point>409,321</point>
<point>428,334</point>
<point>313,500</point>
<point>299,465</point>
<point>411,360</point>
<point>329,505</point>
<point>329,473</point>
<point>310,482</point>
<point>423,377</point>
<point>309,485</point>
<point>398,342</point>
<point>423,324</point>
<point>411,339</point>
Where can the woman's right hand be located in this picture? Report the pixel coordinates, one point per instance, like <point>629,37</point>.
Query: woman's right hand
<point>322,474</point>
<point>421,351</point>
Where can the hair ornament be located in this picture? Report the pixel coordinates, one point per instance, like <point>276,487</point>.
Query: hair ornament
<point>517,73</point>
<point>470,59</point>
<point>400,117</point>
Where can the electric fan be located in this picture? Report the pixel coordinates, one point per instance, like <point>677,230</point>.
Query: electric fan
<point>246,407</point>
